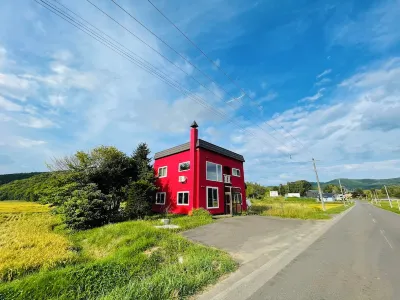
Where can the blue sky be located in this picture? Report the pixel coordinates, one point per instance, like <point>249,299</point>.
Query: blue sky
<point>324,72</point>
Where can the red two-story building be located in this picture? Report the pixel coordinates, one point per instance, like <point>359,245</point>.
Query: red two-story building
<point>199,174</point>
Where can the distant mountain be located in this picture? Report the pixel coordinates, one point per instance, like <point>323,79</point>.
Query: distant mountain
<point>364,184</point>
<point>6,178</point>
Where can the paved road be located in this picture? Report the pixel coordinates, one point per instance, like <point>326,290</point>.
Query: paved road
<point>358,258</point>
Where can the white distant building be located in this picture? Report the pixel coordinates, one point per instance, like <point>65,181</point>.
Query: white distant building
<point>291,195</point>
<point>273,194</point>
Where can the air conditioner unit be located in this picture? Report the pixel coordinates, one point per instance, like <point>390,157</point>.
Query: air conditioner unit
<point>182,178</point>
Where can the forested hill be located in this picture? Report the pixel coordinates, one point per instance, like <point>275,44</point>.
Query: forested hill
<point>6,178</point>
<point>364,184</point>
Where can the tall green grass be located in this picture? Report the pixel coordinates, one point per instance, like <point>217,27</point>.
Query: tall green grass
<point>128,260</point>
<point>385,205</point>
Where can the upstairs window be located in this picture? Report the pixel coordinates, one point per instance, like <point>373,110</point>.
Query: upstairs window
<point>162,172</point>
<point>183,198</point>
<point>214,172</point>
<point>236,172</point>
<point>184,166</point>
<point>160,198</point>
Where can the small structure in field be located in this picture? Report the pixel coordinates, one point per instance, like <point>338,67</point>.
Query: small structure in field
<point>273,194</point>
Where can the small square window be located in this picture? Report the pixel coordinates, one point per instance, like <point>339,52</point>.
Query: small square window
<point>236,172</point>
<point>162,172</point>
<point>183,198</point>
<point>184,166</point>
<point>160,198</point>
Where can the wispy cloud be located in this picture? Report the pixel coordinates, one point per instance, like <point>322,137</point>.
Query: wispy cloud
<point>9,106</point>
<point>326,72</point>
<point>376,28</point>
<point>313,98</point>
<point>28,143</point>
<point>323,81</point>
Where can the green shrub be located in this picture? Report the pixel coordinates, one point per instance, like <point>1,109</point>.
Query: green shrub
<point>200,212</point>
<point>140,199</point>
<point>88,207</point>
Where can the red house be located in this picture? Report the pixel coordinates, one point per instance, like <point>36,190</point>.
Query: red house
<point>199,174</point>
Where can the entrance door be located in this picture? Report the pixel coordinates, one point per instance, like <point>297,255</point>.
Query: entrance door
<point>228,204</point>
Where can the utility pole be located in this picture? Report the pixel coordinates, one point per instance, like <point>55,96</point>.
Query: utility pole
<point>319,186</point>
<point>376,199</point>
<point>390,202</point>
<point>341,189</point>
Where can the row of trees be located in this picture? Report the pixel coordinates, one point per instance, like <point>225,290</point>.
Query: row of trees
<point>258,191</point>
<point>88,188</point>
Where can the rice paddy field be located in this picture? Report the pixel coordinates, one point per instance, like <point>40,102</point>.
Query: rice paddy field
<point>297,209</point>
<point>127,260</point>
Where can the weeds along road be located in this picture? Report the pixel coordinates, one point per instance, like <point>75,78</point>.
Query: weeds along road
<point>358,258</point>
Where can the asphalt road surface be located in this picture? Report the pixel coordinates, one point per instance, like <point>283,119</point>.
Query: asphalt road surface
<point>358,258</point>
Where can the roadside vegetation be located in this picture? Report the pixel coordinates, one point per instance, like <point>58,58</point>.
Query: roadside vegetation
<point>298,208</point>
<point>386,205</point>
<point>41,259</point>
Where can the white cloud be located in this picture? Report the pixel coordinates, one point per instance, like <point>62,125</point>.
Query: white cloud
<point>325,72</point>
<point>56,100</point>
<point>323,81</point>
<point>313,98</point>
<point>35,122</point>
<point>28,143</point>
<point>376,28</point>
<point>9,106</point>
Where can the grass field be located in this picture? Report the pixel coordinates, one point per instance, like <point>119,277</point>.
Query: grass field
<point>386,205</point>
<point>27,240</point>
<point>295,208</point>
<point>128,260</point>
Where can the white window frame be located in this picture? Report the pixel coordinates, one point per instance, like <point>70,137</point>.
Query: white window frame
<point>165,198</point>
<point>233,174</point>
<point>166,171</point>
<point>177,198</point>
<point>179,166</point>
<point>212,187</point>
<point>221,178</point>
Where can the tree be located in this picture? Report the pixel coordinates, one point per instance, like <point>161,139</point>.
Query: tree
<point>255,190</point>
<point>88,207</point>
<point>357,193</point>
<point>140,199</point>
<point>299,186</point>
<point>331,188</point>
<point>140,193</point>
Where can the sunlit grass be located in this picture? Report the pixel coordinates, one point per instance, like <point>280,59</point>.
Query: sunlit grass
<point>386,205</point>
<point>295,209</point>
<point>127,260</point>
<point>27,240</point>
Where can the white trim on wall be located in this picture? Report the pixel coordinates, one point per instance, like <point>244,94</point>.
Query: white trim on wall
<point>177,198</point>
<point>212,187</point>
<point>221,179</point>
<point>166,171</point>
<point>165,198</point>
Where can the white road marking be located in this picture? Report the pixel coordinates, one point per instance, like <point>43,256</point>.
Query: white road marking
<point>373,220</point>
<point>383,234</point>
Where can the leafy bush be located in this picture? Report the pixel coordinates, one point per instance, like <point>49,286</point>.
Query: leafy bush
<point>88,207</point>
<point>200,212</point>
<point>140,199</point>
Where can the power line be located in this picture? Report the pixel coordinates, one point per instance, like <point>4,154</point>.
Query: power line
<point>183,57</point>
<point>152,70</point>
<point>188,61</point>
<point>217,66</point>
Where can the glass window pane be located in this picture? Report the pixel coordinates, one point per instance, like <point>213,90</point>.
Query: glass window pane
<point>184,166</point>
<point>211,171</point>
<point>219,172</point>
<point>186,199</point>
<point>180,198</point>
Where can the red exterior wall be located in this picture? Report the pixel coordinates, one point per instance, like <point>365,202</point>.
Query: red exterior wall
<point>170,184</point>
<point>204,156</point>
